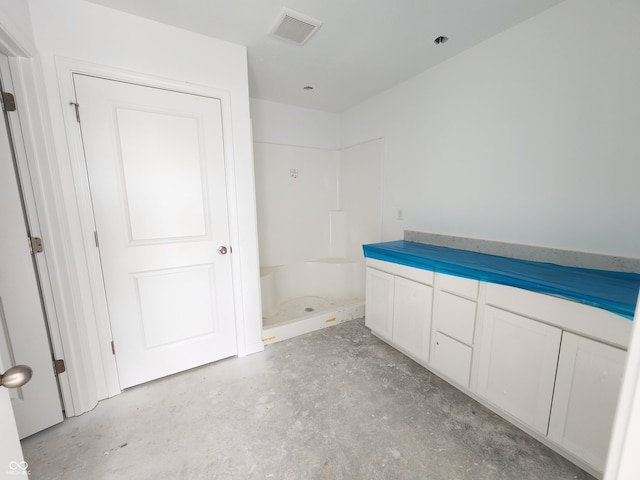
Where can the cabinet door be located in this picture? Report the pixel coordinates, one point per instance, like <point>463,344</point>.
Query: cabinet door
<point>585,398</point>
<point>379,303</point>
<point>412,317</point>
<point>517,366</point>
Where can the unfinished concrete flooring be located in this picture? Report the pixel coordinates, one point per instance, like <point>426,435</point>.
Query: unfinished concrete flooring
<point>333,404</point>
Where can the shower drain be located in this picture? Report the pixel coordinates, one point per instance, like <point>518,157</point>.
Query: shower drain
<point>309,309</point>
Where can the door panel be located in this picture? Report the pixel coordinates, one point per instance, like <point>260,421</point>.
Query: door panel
<point>23,330</point>
<point>173,205</point>
<point>156,167</point>
<point>167,294</point>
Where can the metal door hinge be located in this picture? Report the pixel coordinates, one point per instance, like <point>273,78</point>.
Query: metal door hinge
<point>77,107</point>
<point>35,245</point>
<point>59,367</point>
<point>8,102</point>
<point>113,347</point>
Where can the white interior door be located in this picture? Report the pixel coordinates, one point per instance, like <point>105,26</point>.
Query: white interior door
<point>156,167</point>
<point>23,330</point>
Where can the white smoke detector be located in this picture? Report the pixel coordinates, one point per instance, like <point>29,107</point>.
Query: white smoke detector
<point>294,27</point>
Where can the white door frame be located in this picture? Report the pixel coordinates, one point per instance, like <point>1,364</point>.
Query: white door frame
<point>30,146</point>
<point>104,366</point>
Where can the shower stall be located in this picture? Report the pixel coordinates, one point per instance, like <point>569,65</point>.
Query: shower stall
<point>316,208</point>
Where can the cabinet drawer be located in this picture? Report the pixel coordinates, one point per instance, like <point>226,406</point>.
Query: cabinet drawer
<point>452,359</point>
<point>415,274</point>
<point>456,316</point>
<point>571,316</point>
<point>464,287</point>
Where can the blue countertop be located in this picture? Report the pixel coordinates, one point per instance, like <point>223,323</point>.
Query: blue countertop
<point>616,292</point>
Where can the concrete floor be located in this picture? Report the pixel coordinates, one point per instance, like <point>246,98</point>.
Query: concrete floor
<point>333,404</point>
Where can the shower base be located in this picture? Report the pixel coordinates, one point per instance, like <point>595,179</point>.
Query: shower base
<point>306,314</point>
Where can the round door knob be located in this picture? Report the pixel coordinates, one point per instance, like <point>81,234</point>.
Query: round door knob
<point>16,376</point>
<point>222,250</point>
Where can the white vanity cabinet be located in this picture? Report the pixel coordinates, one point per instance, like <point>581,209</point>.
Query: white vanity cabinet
<point>566,356</point>
<point>398,306</point>
<point>517,366</point>
<point>550,365</point>
<point>454,316</point>
<point>585,397</point>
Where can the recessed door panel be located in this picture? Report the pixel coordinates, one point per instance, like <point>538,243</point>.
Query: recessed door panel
<point>176,306</point>
<point>163,164</point>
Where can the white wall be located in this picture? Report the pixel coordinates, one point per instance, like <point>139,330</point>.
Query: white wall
<point>297,217</point>
<point>293,213</point>
<point>530,137</point>
<point>15,17</point>
<point>85,32</point>
<point>361,195</point>
<point>288,125</point>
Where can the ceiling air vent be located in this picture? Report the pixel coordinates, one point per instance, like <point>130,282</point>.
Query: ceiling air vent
<point>294,27</point>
